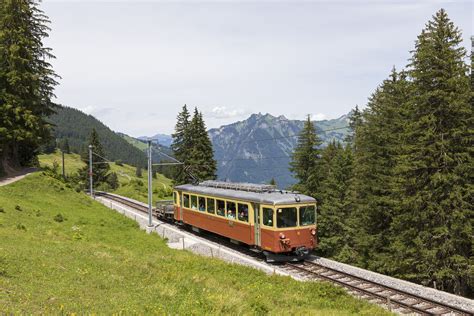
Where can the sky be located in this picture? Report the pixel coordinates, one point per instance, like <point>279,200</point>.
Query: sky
<point>134,64</point>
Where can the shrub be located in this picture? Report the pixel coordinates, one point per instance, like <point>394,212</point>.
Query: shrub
<point>59,218</point>
<point>2,210</point>
<point>18,208</point>
<point>20,226</point>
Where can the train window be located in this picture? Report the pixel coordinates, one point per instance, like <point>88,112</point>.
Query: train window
<point>202,204</point>
<point>211,206</point>
<point>186,200</point>
<point>286,217</point>
<point>243,212</point>
<point>307,215</point>
<point>220,207</point>
<point>267,218</point>
<point>194,202</point>
<point>231,210</point>
<point>175,197</point>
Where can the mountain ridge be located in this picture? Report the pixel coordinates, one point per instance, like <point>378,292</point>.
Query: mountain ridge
<point>259,147</point>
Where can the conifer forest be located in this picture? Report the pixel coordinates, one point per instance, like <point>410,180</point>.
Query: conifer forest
<point>397,198</point>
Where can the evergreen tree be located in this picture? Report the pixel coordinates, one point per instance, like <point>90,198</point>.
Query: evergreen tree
<point>305,159</point>
<point>112,180</point>
<point>333,208</point>
<point>433,241</point>
<point>181,145</point>
<point>376,147</point>
<point>272,182</point>
<point>355,120</point>
<point>26,81</point>
<point>200,160</point>
<point>100,167</point>
<point>138,172</point>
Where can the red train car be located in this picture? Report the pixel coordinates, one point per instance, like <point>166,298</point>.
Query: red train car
<point>282,224</point>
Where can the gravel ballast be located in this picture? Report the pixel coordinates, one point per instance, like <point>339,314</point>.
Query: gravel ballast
<point>420,290</point>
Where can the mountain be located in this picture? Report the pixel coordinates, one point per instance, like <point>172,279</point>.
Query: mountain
<point>260,147</point>
<point>161,139</point>
<point>76,126</point>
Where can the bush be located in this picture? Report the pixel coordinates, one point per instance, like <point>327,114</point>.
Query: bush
<point>119,163</point>
<point>2,210</point>
<point>59,218</point>
<point>20,226</point>
<point>18,208</point>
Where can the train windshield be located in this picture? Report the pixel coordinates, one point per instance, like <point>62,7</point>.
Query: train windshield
<point>307,215</point>
<point>286,217</point>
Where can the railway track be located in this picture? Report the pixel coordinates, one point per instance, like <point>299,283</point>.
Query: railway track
<point>396,300</point>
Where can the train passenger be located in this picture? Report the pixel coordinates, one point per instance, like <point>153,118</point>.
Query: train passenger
<point>202,204</point>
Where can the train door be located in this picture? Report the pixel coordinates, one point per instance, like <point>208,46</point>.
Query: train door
<point>181,199</point>
<point>256,212</point>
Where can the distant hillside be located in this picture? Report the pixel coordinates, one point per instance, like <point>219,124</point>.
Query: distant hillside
<point>162,139</point>
<point>141,144</point>
<point>259,148</point>
<point>76,126</point>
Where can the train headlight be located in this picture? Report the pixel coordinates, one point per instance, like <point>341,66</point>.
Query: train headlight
<point>282,236</point>
<point>313,232</point>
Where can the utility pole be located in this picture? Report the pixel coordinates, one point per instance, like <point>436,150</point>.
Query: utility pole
<point>91,190</point>
<point>150,191</point>
<point>64,168</point>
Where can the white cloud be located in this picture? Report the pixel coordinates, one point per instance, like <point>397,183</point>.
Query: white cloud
<point>318,117</point>
<point>89,109</point>
<point>222,112</point>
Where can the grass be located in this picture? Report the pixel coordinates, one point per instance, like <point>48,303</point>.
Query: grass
<point>135,142</point>
<point>62,253</point>
<point>130,185</point>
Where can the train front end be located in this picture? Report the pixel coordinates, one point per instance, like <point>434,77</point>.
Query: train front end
<point>288,232</point>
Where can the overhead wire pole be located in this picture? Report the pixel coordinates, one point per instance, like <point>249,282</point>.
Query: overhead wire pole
<point>90,172</point>
<point>150,220</point>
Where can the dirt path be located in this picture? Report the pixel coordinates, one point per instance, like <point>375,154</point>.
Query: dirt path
<point>16,176</point>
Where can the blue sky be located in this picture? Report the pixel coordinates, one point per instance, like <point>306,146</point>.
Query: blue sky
<point>133,64</point>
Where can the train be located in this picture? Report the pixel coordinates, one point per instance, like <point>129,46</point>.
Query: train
<point>281,224</point>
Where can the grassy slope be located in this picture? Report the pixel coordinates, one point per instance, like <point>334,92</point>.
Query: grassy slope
<point>125,173</point>
<point>135,142</point>
<point>99,261</point>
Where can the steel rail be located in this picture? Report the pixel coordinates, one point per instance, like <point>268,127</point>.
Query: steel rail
<point>391,296</point>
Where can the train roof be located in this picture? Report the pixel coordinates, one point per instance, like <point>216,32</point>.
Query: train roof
<point>265,194</point>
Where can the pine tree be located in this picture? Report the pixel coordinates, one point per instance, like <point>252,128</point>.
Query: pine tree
<point>433,241</point>
<point>200,160</point>
<point>305,159</point>
<point>181,145</point>
<point>112,180</point>
<point>100,167</point>
<point>376,147</point>
<point>355,120</point>
<point>26,81</point>
<point>333,208</point>
<point>138,172</point>
<point>272,182</point>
